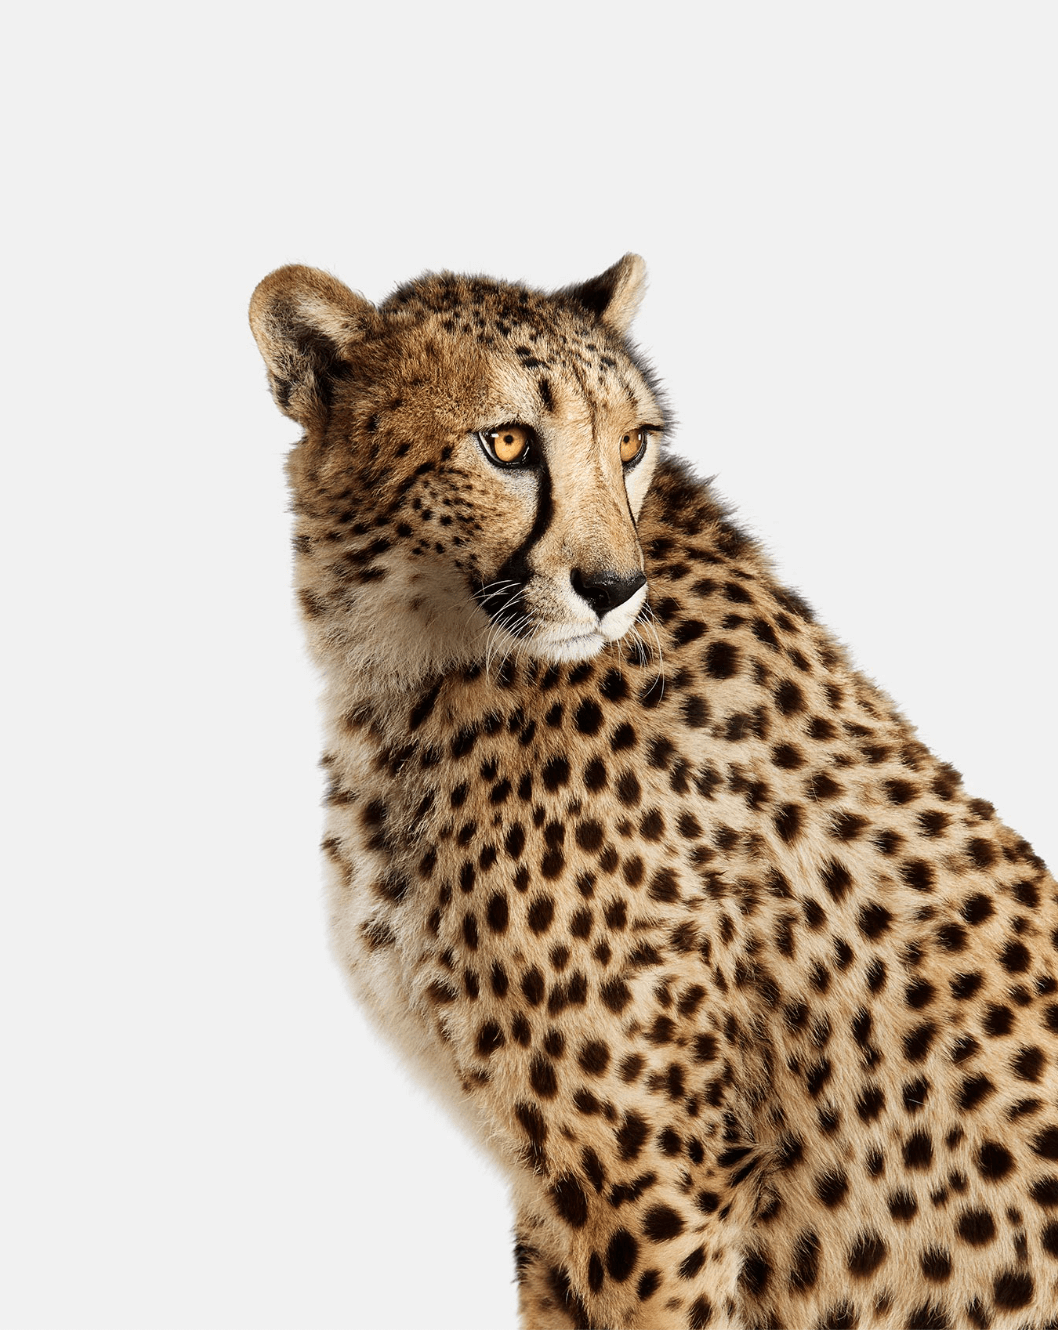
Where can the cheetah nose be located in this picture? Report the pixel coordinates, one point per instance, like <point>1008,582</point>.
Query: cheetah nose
<point>605,591</point>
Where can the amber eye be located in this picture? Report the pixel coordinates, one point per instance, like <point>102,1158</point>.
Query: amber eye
<point>632,444</point>
<point>509,445</point>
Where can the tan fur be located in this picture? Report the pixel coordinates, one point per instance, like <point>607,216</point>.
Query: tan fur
<point>754,1004</point>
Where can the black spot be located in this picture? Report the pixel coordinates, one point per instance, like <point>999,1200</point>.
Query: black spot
<point>917,873</point>
<point>974,1090</point>
<point>542,1077</point>
<point>647,1284</point>
<point>903,1206</point>
<point>621,1255</point>
<point>1013,1289</point>
<point>816,1077</point>
<point>555,773</point>
<point>661,1223</point>
<point>490,1038</point>
<point>614,686</point>
<point>876,976</point>
<point>628,789</point>
<point>804,1270</point>
<point>918,1150</point>
<point>632,1135</point>
<point>424,706</point>
<point>964,986</point>
<point>533,986</point>
<point>952,937</point>
<point>994,1161</point>
<point>624,736</point>
<point>552,864</point>
<point>874,920</point>
<point>688,631</point>
<point>914,1094</point>
<point>594,1057</point>
<point>541,913</point>
<point>569,1201</point>
<point>929,1316</point>
<point>831,1187</point>
<point>789,698</point>
<point>616,995</point>
<point>977,908</point>
<point>847,826</point>
<point>695,712</point>
<point>919,993</point>
<point>998,1020</point>
<point>1015,958</point>
<point>788,822</point>
<point>532,1123</point>
<point>870,1103</point>
<point>841,1316</point>
<point>866,1254</point>
<point>976,1227</point>
<point>700,1314</point>
<point>756,1270</point>
<point>820,786</point>
<point>721,659</point>
<point>936,1264</point>
<point>787,756</point>
<point>555,1043</point>
<point>900,791</point>
<point>514,841</point>
<point>664,886</point>
<point>692,1263</point>
<point>918,1043</point>
<point>588,717</point>
<point>837,879</point>
<point>1045,1144</point>
<point>497,913</point>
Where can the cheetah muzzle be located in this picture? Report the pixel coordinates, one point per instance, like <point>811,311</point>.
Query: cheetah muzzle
<point>756,1007</point>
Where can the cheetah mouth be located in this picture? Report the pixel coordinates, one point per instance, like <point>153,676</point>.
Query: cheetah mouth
<point>577,643</point>
<point>570,647</point>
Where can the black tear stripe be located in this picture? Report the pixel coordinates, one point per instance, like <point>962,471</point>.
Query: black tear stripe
<point>516,567</point>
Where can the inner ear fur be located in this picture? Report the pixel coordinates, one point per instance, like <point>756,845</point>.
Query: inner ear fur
<point>305,322</point>
<point>613,297</point>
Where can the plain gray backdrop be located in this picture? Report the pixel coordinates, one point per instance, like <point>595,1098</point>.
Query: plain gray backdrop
<point>849,216</point>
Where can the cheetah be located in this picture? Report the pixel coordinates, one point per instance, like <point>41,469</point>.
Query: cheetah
<point>754,1005</point>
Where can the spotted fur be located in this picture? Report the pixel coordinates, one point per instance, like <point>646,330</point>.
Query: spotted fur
<point>755,1004</point>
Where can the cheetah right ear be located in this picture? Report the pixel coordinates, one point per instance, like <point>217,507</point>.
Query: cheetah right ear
<point>613,296</point>
<point>305,322</point>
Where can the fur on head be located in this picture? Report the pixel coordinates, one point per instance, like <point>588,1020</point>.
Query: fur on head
<point>474,462</point>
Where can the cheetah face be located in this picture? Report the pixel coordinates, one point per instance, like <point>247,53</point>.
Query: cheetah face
<point>475,461</point>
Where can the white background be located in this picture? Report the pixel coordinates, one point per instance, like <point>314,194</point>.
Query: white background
<point>849,213</point>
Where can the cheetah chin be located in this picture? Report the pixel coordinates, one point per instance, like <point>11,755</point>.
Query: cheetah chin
<point>754,1004</point>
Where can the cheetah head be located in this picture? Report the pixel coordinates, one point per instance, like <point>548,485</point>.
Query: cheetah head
<point>474,463</point>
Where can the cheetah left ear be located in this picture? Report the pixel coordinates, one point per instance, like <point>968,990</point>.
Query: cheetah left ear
<point>306,322</point>
<point>614,296</point>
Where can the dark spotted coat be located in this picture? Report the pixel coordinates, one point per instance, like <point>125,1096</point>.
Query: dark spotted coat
<point>755,1004</point>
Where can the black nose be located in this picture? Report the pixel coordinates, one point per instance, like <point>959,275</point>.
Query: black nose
<point>605,591</point>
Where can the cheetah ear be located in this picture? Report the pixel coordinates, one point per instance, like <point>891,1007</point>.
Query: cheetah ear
<point>613,296</point>
<point>305,322</point>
